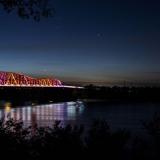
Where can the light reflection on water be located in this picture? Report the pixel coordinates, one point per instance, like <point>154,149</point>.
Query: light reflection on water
<point>44,115</point>
<point>126,115</point>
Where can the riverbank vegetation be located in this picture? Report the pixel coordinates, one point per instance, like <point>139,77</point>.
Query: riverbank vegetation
<point>71,142</point>
<point>18,95</point>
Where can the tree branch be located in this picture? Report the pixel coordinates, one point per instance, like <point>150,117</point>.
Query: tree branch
<point>35,9</point>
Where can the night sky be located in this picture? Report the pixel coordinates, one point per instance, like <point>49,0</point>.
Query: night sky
<point>86,41</point>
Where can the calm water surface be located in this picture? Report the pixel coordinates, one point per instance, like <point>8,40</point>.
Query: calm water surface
<point>129,116</point>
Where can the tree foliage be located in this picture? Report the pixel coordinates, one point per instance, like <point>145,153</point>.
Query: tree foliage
<point>25,9</point>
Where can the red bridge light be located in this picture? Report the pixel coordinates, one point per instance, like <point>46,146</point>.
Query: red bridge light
<point>16,79</point>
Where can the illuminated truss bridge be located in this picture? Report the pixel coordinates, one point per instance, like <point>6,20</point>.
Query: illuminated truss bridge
<point>11,79</point>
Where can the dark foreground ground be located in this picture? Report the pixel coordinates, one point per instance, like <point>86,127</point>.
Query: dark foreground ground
<point>76,142</point>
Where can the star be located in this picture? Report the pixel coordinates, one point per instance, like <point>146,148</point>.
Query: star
<point>99,34</point>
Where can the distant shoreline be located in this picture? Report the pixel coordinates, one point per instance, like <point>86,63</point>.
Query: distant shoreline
<point>88,94</point>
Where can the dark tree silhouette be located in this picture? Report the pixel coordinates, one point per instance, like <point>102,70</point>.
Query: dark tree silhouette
<point>35,9</point>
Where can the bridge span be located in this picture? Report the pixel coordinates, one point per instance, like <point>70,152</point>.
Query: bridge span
<point>11,79</point>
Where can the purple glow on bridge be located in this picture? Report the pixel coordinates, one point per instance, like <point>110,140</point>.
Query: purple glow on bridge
<point>11,79</point>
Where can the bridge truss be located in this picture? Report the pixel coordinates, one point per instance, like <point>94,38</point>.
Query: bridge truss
<point>20,80</point>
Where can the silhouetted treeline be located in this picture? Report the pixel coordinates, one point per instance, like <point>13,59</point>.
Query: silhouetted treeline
<point>72,142</point>
<point>37,95</point>
<point>43,95</point>
<point>122,93</point>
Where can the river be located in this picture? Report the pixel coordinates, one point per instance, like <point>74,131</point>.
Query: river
<point>118,115</point>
